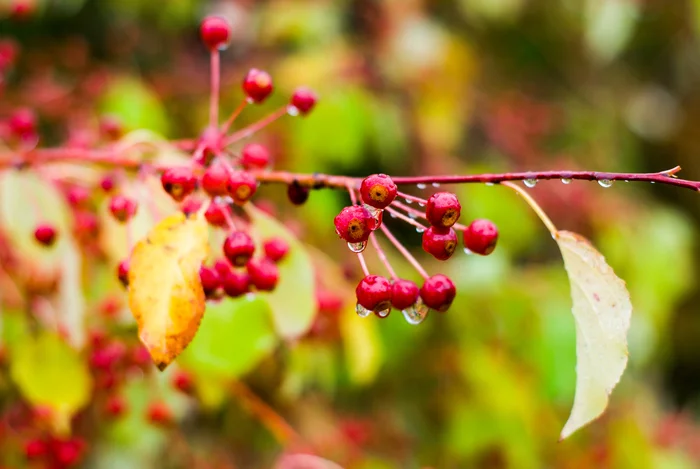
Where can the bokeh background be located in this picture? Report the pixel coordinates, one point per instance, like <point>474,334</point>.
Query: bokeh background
<point>407,87</point>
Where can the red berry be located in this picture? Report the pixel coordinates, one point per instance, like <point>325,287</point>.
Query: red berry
<point>122,208</point>
<point>140,356</point>
<point>255,156</point>
<point>223,267</point>
<point>123,272</point>
<point>257,85</point>
<point>215,32</point>
<point>45,234</point>
<point>374,293</point>
<point>179,182</point>
<point>216,214</point>
<point>85,225</point>
<point>158,413</point>
<point>210,278</point>
<point>236,283</point>
<point>438,292</point>
<point>68,452</point>
<point>108,356</point>
<point>297,193</point>
<point>215,179</point>
<point>35,449</point>
<point>328,301</point>
<point>78,196</point>
<point>304,99</point>
<point>191,205</point>
<point>115,406</point>
<point>238,248</point>
<point>378,190</point>
<point>443,209</point>
<point>440,242</point>
<point>22,123</point>
<point>481,236</point>
<point>241,186</point>
<point>107,183</point>
<point>404,294</point>
<point>264,274</point>
<point>275,249</point>
<point>354,224</point>
<point>183,381</point>
<point>111,128</point>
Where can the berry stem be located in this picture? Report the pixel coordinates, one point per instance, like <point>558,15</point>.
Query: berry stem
<point>421,214</point>
<point>236,112</point>
<point>255,126</point>
<point>360,256</point>
<point>535,206</point>
<point>382,256</point>
<point>229,219</point>
<point>215,83</point>
<point>402,249</point>
<point>403,217</point>
<point>409,197</point>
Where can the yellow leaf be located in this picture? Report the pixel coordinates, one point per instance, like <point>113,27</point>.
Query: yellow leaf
<point>602,310</point>
<point>165,293</point>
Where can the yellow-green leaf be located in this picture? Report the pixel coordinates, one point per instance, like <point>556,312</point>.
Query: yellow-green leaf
<point>165,293</point>
<point>602,310</point>
<point>50,373</point>
<point>361,344</point>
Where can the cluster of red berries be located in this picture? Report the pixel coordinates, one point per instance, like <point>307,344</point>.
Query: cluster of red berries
<point>55,452</point>
<point>356,223</point>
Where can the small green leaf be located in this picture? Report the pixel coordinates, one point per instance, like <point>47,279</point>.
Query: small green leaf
<point>50,373</point>
<point>136,105</point>
<point>362,345</point>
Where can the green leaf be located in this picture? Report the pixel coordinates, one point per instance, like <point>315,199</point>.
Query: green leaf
<point>50,373</point>
<point>232,339</point>
<point>609,26</point>
<point>293,302</point>
<point>362,346</point>
<point>135,104</point>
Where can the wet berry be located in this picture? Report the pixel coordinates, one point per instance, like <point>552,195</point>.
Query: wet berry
<point>45,234</point>
<point>122,208</point>
<point>255,156</point>
<point>115,406</point>
<point>215,179</point>
<point>210,278</point>
<point>215,32</point>
<point>443,209</point>
<point>158,413</point>
<point>374,293</point>
<point>236,283</point>
<point>238,248</point>
<point>223,267</point>
<point>263,273</point>
<point>438,292</point>
<point>107,183</point>
<point>68,452</point>
<point>275,249</point>
<point>297,193</point>
<point>354,224</point>
<point>123,272</point>
<point>241,186</point>
<point>217,214</point>
<point>257,85</point>
<point>78,196</point>
<point>35,449</point>
<point>179,182</point>
<point>481,236</point>
<point>304,99</point>
<point>404,294</point>
<point>378,190</point>
<point>22,123</point>
<point>182,381</point>
<point>191,205</point>
<point>440,242</point>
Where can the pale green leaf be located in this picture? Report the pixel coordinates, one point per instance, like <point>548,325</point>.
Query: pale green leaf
<point>362,346</point>
<point>609,26</point>
<point>135,104</point>
<point>602,310</point>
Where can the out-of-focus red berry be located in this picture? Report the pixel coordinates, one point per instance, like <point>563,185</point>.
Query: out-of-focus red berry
<point>304,100</point>
<point>257,85</point>
<point>215,32</point>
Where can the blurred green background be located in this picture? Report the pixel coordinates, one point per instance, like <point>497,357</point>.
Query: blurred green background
<point>409,87</point>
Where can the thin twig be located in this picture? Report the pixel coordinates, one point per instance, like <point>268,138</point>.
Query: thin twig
<point>402,249</point>
<point>215,84</point>
<point>534,205</point>
<point>382,256</point>
<point>255,126</point>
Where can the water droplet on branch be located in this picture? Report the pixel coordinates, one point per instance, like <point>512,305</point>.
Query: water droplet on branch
<point>436,184</point>
<point>530,182</point>
<point>362,311</point>
<point>566,180</point>
<point>421,186</point>
<point>605,182</point>
<point>357,247</point>
<point>292,110</point>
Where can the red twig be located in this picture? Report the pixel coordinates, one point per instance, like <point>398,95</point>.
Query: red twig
<point>255,126</point>
<point>402,249</point>
<point>236,112</point>
<point>215,83</point>
<point>382,256</point>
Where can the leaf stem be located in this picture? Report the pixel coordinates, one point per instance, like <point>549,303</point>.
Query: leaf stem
<point>535,206</point>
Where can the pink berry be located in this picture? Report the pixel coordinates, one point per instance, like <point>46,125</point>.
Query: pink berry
<point>115,406</point>
<point>191,205</point>
<point>438,292</point>
<point>404,294</point>
<point>297,193</point>
<point>210,278</point>
<point>238,248</point>
<point>179,182</point>
<point>354,224</point>
<point>264,274</point>
<point>215,32</point>
<point>183,381</point>
<point>22,123</point>
<point>481,236</point>
<point>236,283</point>
<point>215,179</point>
<point>443,209</point>
<point>123,272</point>
<point>328,301</point>
<point>45,234</point>
<point>35,449</point>
<point>378,190</point>
<point>304,99</point>
<point>68,452</point>
<point>122,208</point>
<point>241,187</point>
<point>440,242</point>
<point>78,196</point>
<point>255,156</point>
<point>86,225</point>
<point>223,267</point>
<point>257,85</point>
<point>107,183</point>
<point>275,249</point>
<point>374,293</point>
<point>158,413</point>
<point>217,214</point>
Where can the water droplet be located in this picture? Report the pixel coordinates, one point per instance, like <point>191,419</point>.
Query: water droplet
<point>436,184</point>
<point>421,186</point>
<point>415,314</point>
<point>653,182</point>
<point>250,100</point>
<point>362,311</point>
<point>626,180</point>
<point>383,313</point>
<point>392,214</point>
<point>374,211</point>
<point>489,184</point>
<point>421,204</point>
<point>412,215</point>
<point>420,229</point>
<point>357,247</point>
<point>292,110</point>
<point>408,201</point>
<point>530,183</point>
<point>566,180</point>
<point>468,252</point>
<point>605,182</point>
